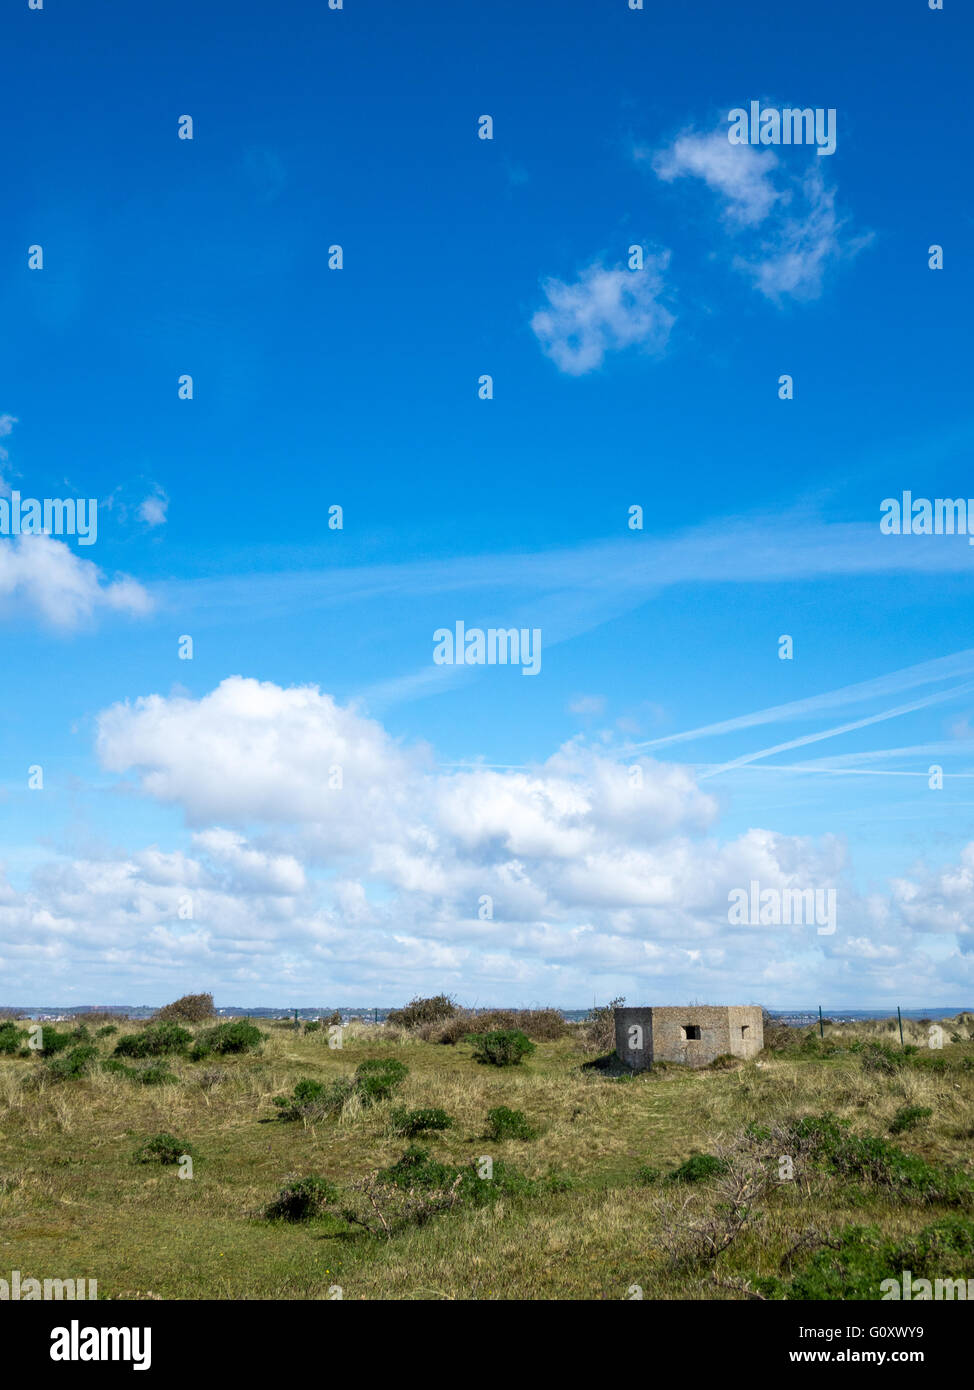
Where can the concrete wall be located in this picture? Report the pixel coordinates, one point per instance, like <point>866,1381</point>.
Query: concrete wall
<point>693,1035</point>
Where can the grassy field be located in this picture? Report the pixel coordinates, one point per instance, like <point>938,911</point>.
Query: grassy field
<point>583,1219</point>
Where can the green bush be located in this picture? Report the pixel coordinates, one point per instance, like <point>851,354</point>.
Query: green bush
<point>379,1078</point>
<point>409,1123</point>
<point>163,1148</point>
<point>504,1123</point>
<point>108,1031</point>
<point>69,1066</point>
<point>418,1011</point>
<point>417,1169</point>
<point>504,1048</point>
<point>312,1025</point>
<point>868,1158</point>
<point>540,1025</point>
<point>52,1041</point>
<point>227,1038</point>
<point>908,1117</point>
<point>156,1040</point>
<point>11,1037</point>
<point>189,1008</point>
<point>154,1075</point>
<point>854,1265</point>
<point>699,1168</point>
<point>647,1175</point>
<point>301,1200</point>
<point>314,1100</point>
<point>881,1057</point>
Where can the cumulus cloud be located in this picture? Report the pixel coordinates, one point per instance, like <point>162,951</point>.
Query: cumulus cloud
<point>580,873</point>
<point>603,311</point>
<point>940,900</point>
<point>42,576</point>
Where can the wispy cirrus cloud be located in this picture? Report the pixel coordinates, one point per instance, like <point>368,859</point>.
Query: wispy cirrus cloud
<point>7,423</point>
<point>741,175</point>
<point>793,230</point>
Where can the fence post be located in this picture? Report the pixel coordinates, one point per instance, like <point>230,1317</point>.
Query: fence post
<point>821,1025</point>
<point>899,1018</point>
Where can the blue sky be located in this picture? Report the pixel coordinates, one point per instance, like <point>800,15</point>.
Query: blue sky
<point>612,387</point>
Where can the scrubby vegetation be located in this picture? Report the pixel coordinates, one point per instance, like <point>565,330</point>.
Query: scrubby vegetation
<point>191,1008</point>
<point>157,1040</point>
<point>505,1047</point>
<point>415,1171</point>
<point>164,1148</point>
<point>505,1123</point>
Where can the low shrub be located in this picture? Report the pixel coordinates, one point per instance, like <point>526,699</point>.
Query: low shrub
<point>154,1075</point>
<point>504,1123</point>
<point>416,1168</point>
<point>883,1058</point>
<point>226,1039</point>
<point>598,1032</point>
<point>315,1100</point>
<point>908,1117</point>
<point>52,1041</point>
<point>11,1037</point>
<point>163,1148</point>
<point>868,1158</point>
<point>70,1066</point>
<point>409,1123</point>
<point>646,1175</point>
<point>699,1168</point>
<point>504,1048</point>
<point>379,1078</point>
<point>155,1040</point>
<point>854,1264</point>
<point>418,1011</point>
<point>189,1008</point>
<point>301,1200</point>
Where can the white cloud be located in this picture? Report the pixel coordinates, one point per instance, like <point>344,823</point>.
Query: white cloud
<point>154,508</point>
<point>251,751</point>
<point>599,879</point>
<point>40,575</point>
<point>7,423</point>
<point>587,704</point>
<point>793,260</point>
<point>603,311</point>
<point>739,173</point>
<point>791,220</point>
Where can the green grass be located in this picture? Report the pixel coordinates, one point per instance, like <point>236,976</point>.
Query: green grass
<point>73,1202</point>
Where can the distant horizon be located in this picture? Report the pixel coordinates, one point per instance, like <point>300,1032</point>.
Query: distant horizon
<point>879,1011</point>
